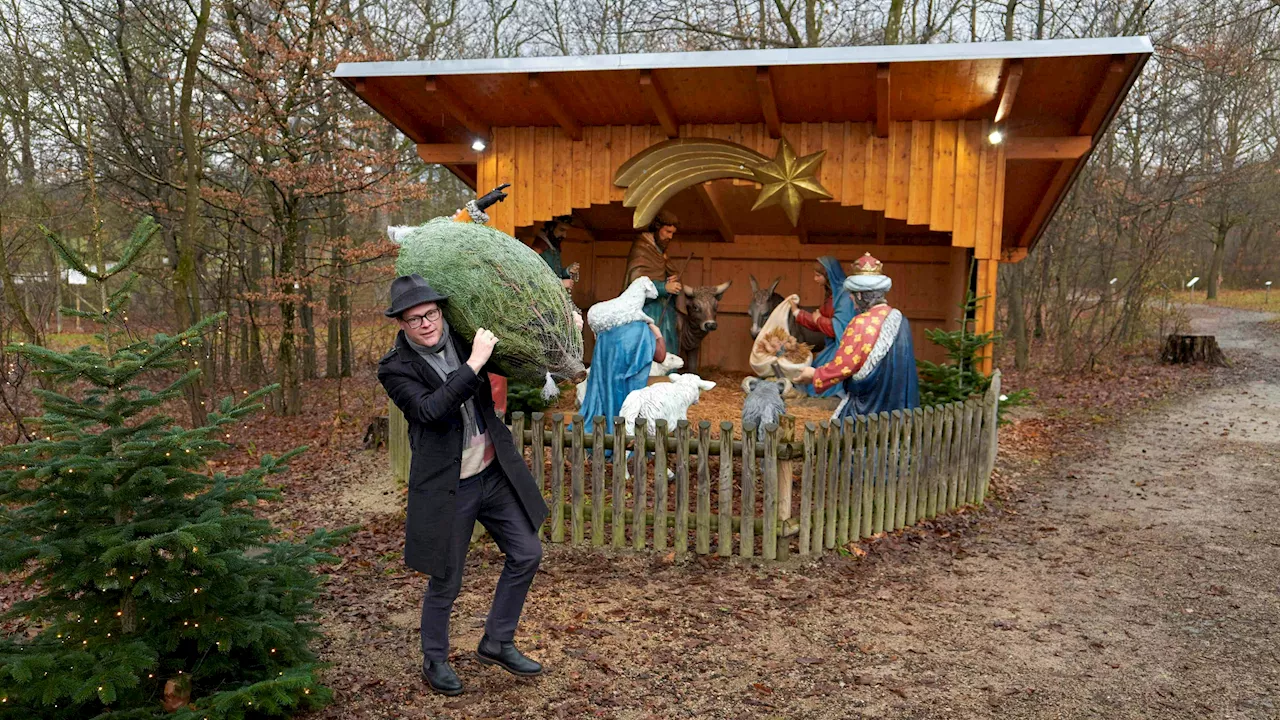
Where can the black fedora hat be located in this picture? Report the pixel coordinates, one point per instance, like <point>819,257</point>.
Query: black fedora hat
<point>408,291</point>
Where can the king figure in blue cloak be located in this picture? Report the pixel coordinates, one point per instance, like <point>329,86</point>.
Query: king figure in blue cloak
<point>874,363</point>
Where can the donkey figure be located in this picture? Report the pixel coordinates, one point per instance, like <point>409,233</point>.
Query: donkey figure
<point>763,303</point>
<point>698,319</point>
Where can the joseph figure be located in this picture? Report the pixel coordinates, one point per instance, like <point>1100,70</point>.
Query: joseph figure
<point>648,258</point>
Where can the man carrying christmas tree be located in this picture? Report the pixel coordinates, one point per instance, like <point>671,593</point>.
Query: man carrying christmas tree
<point>464,468</point>
<point>875,360</point>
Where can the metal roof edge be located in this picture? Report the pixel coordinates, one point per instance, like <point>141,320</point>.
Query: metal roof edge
<point>754,58</point>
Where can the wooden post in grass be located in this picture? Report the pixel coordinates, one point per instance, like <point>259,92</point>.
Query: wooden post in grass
<point>820,498</point>
<point>598,463</point>
<point>746,535</point>
<point>557,478</point>
<point>577,494</point>
<point>703,522</point>
<point>724,534</point>
<point>639,485</point>
<point>660,485</point>
<point>536,459</point>
<point>619,523</point>
<point>769,537</point>
<point>682,487</point>
<point>786,478</point>
<point>806,489</point>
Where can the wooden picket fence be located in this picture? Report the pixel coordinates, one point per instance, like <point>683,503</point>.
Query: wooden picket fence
<point>857,478</point>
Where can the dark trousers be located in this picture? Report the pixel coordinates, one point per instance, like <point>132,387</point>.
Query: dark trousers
<point>490,499</point>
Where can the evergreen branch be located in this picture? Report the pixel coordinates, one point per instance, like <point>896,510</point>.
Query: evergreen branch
<point>68,254</point>
<point>138,240</point>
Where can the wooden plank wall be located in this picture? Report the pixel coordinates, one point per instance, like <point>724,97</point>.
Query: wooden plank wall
<point>943,174</point>
<point>940,174</point>
<point>928,283</point>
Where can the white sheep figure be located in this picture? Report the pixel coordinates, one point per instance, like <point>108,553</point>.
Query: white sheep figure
<point>668,401</point>
<point>626,308</point>
<point>670,363</point>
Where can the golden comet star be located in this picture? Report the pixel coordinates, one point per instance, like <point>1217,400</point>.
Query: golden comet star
<point>789,180</point>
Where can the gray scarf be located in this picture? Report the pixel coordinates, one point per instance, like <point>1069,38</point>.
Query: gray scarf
<point>443,358</point>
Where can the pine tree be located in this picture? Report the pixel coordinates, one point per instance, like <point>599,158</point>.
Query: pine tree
<point>158,591</point>
<point>960,378</point>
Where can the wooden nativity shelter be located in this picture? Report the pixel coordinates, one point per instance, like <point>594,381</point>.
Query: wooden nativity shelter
<point>931,157</point>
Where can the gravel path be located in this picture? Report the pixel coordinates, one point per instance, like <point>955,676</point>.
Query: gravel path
<point>1137,580</point>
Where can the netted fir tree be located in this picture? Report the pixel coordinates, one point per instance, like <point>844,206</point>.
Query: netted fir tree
<point>157,590</point>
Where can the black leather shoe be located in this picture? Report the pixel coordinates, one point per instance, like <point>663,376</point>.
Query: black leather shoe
<point>442,678</point>
<point>506,656</point>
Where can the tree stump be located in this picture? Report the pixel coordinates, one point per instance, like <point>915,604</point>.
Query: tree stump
<point>1188,349</point>
<point>375,435</point>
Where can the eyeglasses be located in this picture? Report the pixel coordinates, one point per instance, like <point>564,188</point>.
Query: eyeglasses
<point>432,316</point>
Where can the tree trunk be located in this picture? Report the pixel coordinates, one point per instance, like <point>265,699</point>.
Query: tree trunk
<point>186,297</point>
<point>893,24</point>
<point>290,394</point>
<point>1215,265</point>
<point>1018,316</point>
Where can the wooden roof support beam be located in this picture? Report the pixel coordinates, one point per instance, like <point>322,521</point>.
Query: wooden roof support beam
<point>882,100</point>
<point>538,86</point>
<point>447,154</point>
<point>1009,89</point>
<point>1103,99</point>
<point>456,107</point>
<point>768,102</point>
<point>710,197</point>
<point>658,102</point>
<point>389,109</point>
<point>1047,148</point>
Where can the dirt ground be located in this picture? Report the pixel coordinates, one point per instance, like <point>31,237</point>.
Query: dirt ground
<point>1132,575</point>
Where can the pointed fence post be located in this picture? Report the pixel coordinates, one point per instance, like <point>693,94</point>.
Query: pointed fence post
<point>660,485</point>
<point>598,463</point>
<point>806,489</point>
<point>640,484</point>
<point>537,459</point>
<point>992,433</point>
<point>577,493</point>
<point>724,535</point>
<point>557,478</point>
<point>619,522</point>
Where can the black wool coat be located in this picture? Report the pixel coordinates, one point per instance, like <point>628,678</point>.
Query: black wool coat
<point>434,410</point>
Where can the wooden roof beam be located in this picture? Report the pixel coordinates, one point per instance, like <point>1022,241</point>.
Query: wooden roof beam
<point>456,107</point>
<point>710,197</point>
<point>447,153</point>
<point>658,102</point>
<point>1008,89</point>
<point>389,109</point>
<point>1047,148</point>
<point>882,100</point>
<point>571,127</point>
<point>768,102</point>
<point>1103,98</point>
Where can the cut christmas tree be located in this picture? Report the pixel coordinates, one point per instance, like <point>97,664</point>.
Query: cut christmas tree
<point>158,590</point>
<point>496,282</point>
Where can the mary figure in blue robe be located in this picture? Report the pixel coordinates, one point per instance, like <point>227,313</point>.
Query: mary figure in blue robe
<point>843,313</point>
<point>620,365</point>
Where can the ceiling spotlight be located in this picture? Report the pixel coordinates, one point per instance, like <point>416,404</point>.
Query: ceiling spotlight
<point>478,145</point>
<point>996,137</point>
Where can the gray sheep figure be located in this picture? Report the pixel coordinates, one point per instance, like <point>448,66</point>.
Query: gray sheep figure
<point>763,404</point>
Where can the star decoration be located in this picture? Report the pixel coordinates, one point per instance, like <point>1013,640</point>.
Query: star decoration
<point>789,181</point>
